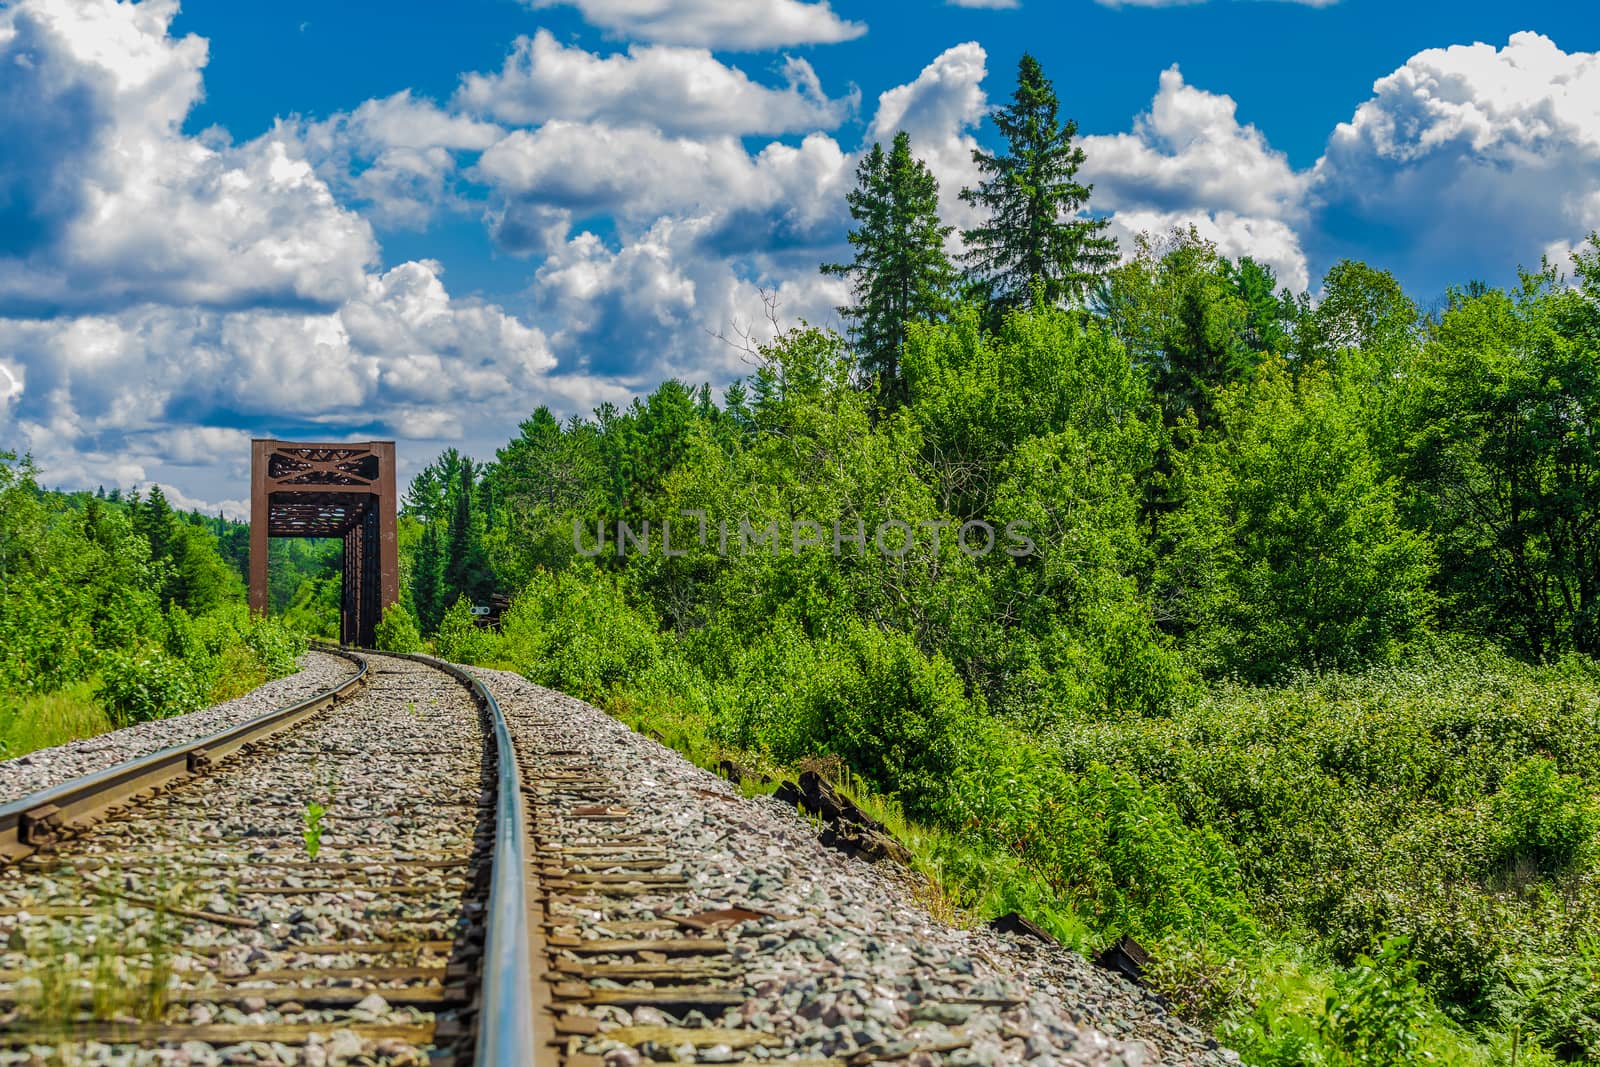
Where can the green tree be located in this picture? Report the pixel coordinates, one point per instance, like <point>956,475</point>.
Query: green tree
<point>1196,322</point>
<point>200,581</point>
<point>427,578</point>
<point>153,518</point>
<point>1034,235</point>
<point>1504,457</point>
<point>900,272</point>
<point>1362,310</point>
<point>466,565</point>
<point>1289,550</point>
<point>546,477</point>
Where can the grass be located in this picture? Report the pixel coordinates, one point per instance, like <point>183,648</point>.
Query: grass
<point>29,723</point>
<point>99,971</point>
<point>238,672</point>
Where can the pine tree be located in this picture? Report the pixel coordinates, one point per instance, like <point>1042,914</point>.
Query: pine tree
<point>900,273</point>
<point>1034,237</point>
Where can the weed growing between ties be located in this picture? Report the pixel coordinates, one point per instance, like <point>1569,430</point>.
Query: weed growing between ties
<point>113,963</point>
<point>311,833</point>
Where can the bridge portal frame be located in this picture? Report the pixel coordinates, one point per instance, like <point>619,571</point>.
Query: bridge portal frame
<point>304,489</point>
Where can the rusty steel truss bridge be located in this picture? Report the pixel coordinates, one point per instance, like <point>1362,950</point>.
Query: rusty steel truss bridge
<point>330,490</point>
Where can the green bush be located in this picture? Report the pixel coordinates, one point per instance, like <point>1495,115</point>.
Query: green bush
<point>138,687</point>
<point>1376,1016</point>
<point>893,714</point>
<point>1544,816</point>
<point>575,632</point>
<point>397,630</point>
<point>461,640</point>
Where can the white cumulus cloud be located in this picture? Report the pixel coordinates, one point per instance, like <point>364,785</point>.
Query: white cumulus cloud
<point>1468,160</point>
<point>940,109</point>
<point>677,90</point>
<point>163,296</point>
<point>396,157</point>
<point>1189,161</point>
<point>749,25</point>
<point>108,204</point>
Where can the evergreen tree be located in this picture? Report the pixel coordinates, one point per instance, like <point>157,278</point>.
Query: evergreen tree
<point>1033,236</point>
<point>466,567</point>
<point>426,575</point>
<point>154,520</point>
<point>900,272</point>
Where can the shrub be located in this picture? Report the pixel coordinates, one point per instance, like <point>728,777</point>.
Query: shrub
<point>1544,816</point>
<point>138,687</point>
<point>460,639</point>
<point>275,645</point>
<point>397,630</point>
<point>1376,1015</point>
<point>893,714</point>
<point>575,632</point>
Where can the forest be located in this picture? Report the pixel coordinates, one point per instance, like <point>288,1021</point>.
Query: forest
<point>1296,684</point>
<point>115,608</point>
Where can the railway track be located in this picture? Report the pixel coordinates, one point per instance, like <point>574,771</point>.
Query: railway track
<point>347,888</point>
<point>529,887</point>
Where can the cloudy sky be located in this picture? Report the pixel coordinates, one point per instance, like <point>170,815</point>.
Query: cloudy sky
<point>422,221</point>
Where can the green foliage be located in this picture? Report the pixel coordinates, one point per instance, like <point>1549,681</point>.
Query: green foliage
<point>1194,321</point>
<point>1035,245</point>
<point>1219,697</point>
<point>894,715</point>
<point>900,273</point>
<point>397,631</point>
<point>138,687</point>
<point>305,583</point>
<point>460,639</point>
<point>574,631</point>
<point>1289,550</point>
<point>311,819</point>
<point>129,601</point>
<point>1374,1017</point>
<point>1504,461</point>
<point>455,501</point>
<point>43,720</point>
<point>1543,816</point>
<point>1114,845</point>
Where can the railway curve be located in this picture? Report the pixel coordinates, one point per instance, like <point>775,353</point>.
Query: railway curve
<point>450,865</point>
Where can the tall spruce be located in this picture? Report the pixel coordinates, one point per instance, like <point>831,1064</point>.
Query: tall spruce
<point>466,565</point>
<point>1034,237</point>
<point>900,273</point>
<point>427,579</point>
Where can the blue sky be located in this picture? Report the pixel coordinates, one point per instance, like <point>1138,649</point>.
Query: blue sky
<point>422,221</point>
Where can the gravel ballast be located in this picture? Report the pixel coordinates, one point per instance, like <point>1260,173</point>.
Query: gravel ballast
<point>51,766</point>
<point>844,967</point>
<point>205,919</point>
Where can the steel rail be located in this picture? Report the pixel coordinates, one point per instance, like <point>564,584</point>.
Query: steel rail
<point>35,820</point>
<point>511,1005</point>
